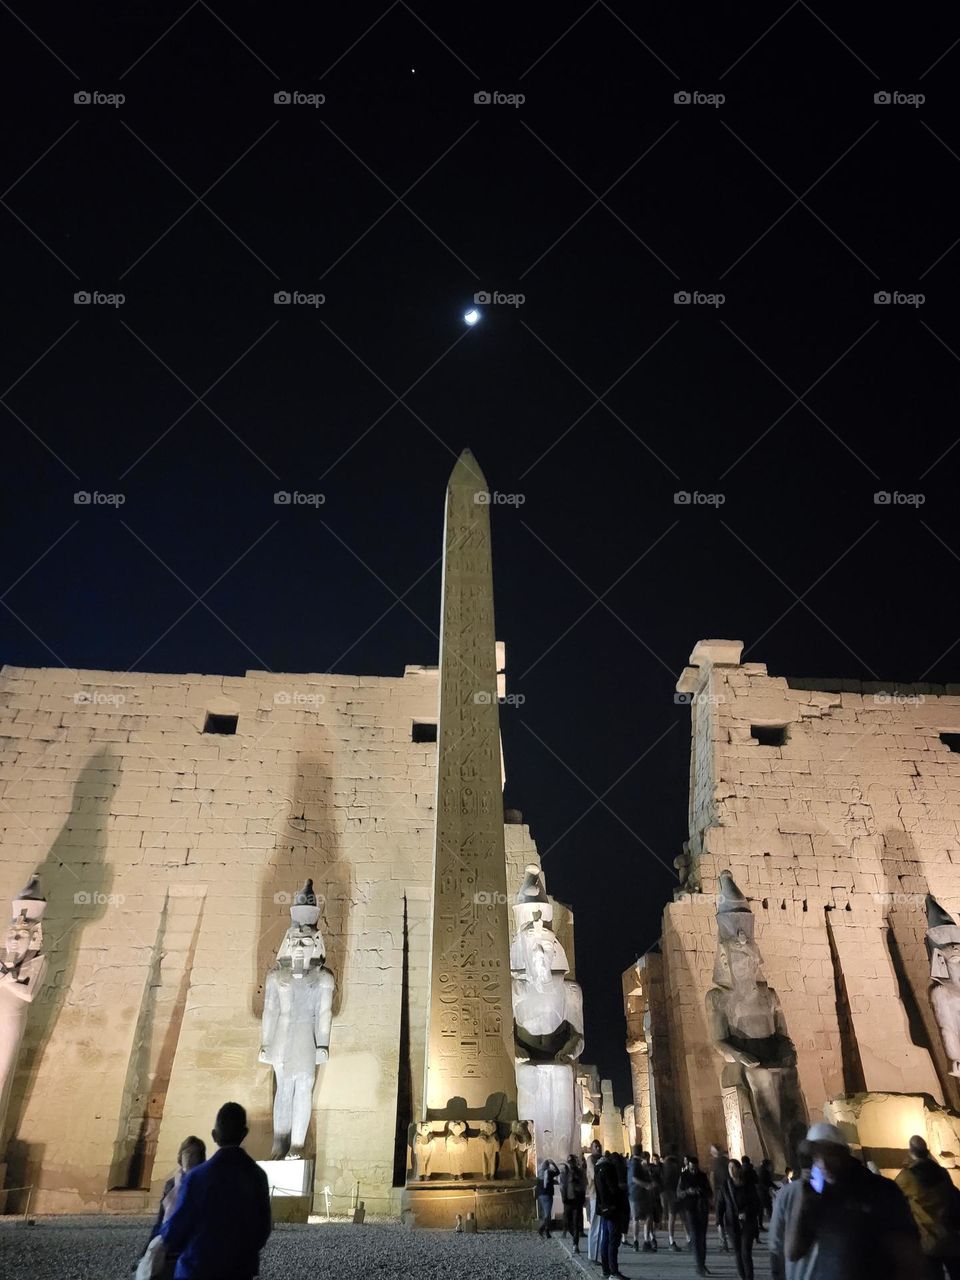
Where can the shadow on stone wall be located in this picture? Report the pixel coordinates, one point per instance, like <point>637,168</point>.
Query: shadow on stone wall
<point>76,882</point>
<point>906,888</point>
<point>155,1041</point>
<point>308,847</point>
<point>698,1111</point>
<point>851,1064</point>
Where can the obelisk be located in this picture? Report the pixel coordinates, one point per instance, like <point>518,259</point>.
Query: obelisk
<point>470,1071</point>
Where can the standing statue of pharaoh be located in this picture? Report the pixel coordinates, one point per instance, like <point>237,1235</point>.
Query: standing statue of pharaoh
<point>424,1145</point>
<point>297,1012</point>
<point>517,1148</point>
<point>21,972</point>
<point>548,1024</point>
<point>489,1147</point>
<point>943,945</point>
<point>760,1086</point>
<point>456,1145</point>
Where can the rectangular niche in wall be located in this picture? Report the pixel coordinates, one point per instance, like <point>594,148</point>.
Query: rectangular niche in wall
<point>220,724</point>
<point>769,735</point>
<point>424,731</point>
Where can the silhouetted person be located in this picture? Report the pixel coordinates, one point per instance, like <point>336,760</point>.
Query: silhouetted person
<point>547,1175</point>
<point>638,1193</point>
<point>693,1193</point>
<point>593,1238</point>
<point>860,1224</point>
<point>720,1171</point>
<point>780,1267</point>
<point>222,1217</point>
<point>573,1192</point>
<point>192,1152</point>
<point>671,1176</point>
<point>741,1216</point>
<point>655,1207</point>
<point>933,1201</point>
<point>613,1208</point>
<point>766,1186</point>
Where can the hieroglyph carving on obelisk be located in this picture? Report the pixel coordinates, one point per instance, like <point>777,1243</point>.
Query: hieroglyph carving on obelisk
<point>470,1041</point>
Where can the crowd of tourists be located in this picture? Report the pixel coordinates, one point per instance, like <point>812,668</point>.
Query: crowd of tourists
<point>833,1218</point>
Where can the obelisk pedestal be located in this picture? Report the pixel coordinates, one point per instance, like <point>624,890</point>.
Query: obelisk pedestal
<point>469,1075</point>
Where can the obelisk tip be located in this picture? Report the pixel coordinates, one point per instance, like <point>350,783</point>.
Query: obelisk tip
<point>467,471</point>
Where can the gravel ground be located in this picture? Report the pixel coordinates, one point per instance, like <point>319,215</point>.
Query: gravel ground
<point>107,1249</point>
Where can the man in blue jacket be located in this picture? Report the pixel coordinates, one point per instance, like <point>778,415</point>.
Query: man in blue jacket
<point>222,1218</point>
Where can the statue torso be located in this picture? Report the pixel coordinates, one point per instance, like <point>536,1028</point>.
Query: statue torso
<point>294,1045</point>
<point>751,1017</point>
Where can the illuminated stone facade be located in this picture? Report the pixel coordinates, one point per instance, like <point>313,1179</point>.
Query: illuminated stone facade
<point>836,807</point>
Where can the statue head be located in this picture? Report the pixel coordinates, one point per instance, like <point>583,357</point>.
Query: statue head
<point>943,943</point>
<point>535,943</point>
<point>304,909</point>
<point>539,968</point>
<point>24,936</point>
<point>532,906</point>
<point>302,945</point>
<point>19,942</point>
<point>738,959</point>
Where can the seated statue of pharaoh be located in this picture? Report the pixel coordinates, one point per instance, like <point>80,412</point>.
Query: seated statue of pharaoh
<point>547,1007</point>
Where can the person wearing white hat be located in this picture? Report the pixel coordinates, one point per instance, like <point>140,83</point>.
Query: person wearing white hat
<point>860,1225</point>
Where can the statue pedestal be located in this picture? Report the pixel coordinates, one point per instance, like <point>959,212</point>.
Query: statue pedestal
<point>547,1095</point>
<point>742,1136</point>
<point>498,1205</point>
<point>882,1124</point>
<point>291,1188</point>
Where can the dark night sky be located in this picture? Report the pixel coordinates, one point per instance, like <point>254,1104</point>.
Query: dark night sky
<point>798,198</point>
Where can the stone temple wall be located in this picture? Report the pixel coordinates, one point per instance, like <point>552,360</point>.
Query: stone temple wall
<point>835,834</point>
<point>166,854</point>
